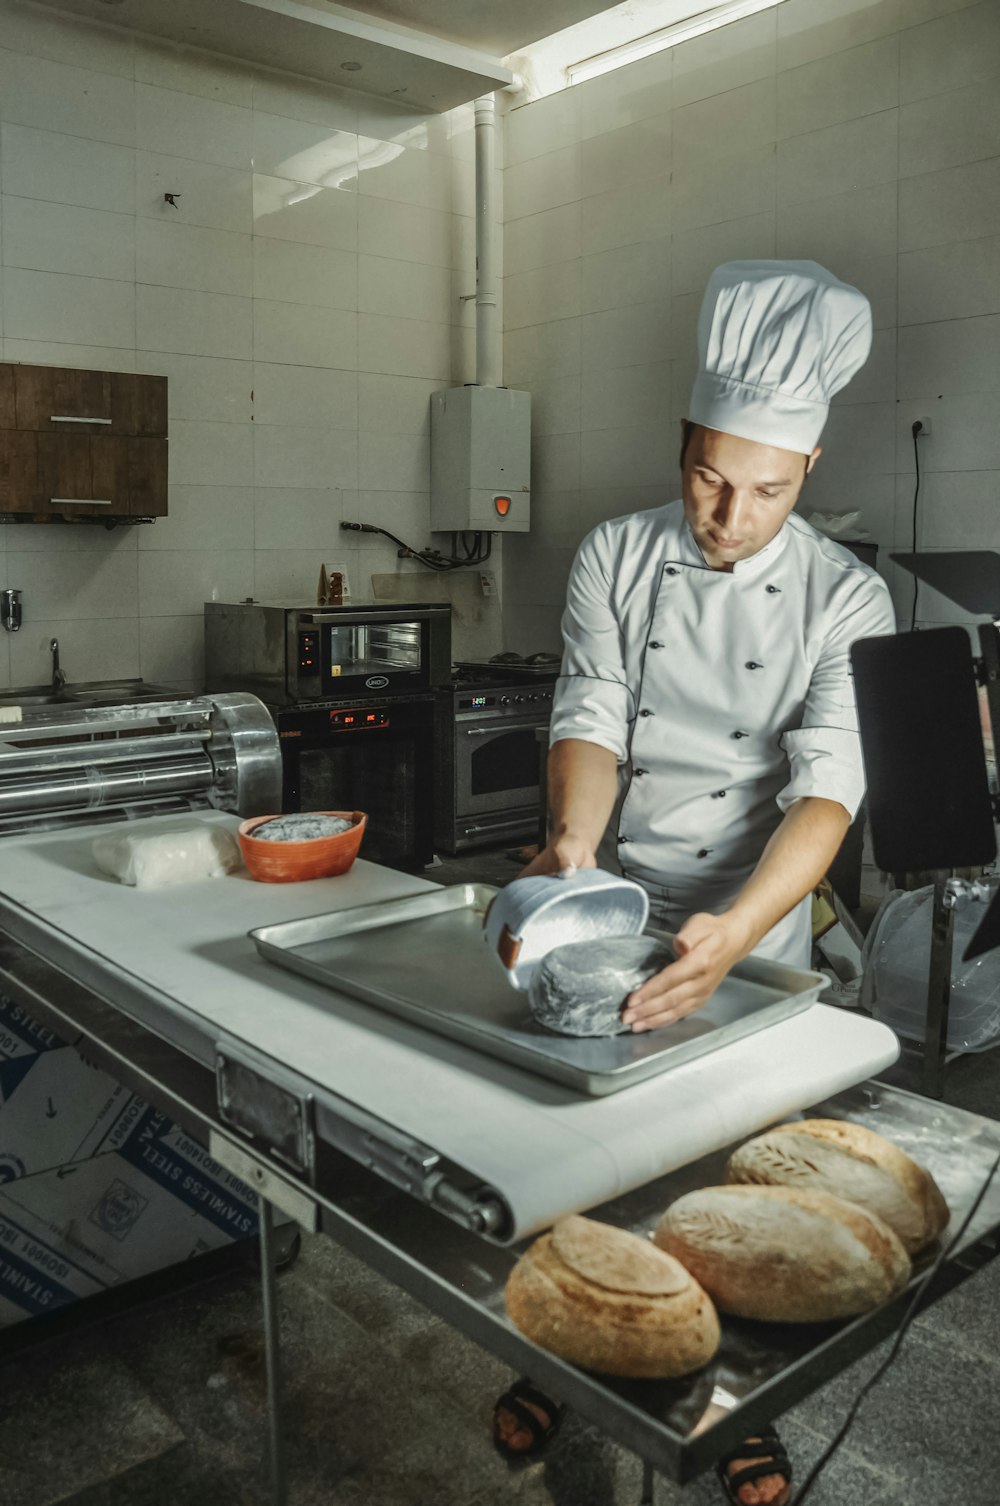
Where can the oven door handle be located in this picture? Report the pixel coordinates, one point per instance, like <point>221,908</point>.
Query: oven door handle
<point>356,616</point>
<point>503,727</point>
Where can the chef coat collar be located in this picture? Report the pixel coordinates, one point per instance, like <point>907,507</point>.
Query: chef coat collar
<point>692,555</point>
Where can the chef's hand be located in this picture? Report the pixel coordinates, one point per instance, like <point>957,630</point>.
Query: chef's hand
<point>563,856</point>
<point>707,946</point>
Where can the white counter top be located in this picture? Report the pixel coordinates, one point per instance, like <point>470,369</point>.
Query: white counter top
<point>179,959</point>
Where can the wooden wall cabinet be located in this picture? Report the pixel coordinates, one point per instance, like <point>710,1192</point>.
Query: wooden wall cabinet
<point>82,443</point>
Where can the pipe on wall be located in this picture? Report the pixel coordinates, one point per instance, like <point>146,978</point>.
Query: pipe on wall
<point>487,342</point>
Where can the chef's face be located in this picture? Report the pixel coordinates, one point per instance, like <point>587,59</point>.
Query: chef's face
<point>737,493</point>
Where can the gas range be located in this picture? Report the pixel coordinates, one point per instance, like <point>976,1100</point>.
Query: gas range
<point>498,698</point>
<point>543,667</point>
<point>490,738</point>
<point>504,688</point>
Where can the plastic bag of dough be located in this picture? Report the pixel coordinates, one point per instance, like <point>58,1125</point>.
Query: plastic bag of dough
<point>178,855</point>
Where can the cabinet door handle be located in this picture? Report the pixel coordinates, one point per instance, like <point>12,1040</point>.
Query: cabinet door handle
<point>80,502</point>
<point>66,418</point>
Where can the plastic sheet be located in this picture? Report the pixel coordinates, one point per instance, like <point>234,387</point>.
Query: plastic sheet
<point>898,970</point>
<point>179,855</point>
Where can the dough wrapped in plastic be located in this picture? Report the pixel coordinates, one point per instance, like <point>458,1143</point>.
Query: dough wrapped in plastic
<point>300,826</point>
<point>178,855</point>
<point>581,988</point>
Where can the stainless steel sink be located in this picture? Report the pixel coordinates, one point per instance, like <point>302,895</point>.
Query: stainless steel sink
<point>85,693</point>
<point>35,695</point>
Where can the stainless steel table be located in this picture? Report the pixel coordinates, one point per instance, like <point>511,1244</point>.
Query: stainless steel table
<point>677,1428</point>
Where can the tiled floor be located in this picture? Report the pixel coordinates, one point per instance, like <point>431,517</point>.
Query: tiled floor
<point>387,1406</point>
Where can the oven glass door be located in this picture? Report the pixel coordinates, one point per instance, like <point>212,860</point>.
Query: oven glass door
<point>496,767</point>
<point>386,771</point>
<point>360,657</point>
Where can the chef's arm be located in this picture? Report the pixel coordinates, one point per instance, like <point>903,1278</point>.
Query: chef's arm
<point>791,865</point>
<point>582,785</point>
<point>793,862</point>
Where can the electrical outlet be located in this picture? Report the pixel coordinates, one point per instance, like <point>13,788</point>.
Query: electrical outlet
<point>925,427</point>
<point>488,581</point>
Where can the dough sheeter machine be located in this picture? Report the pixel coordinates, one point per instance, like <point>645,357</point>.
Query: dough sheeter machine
<point>420,1154</point>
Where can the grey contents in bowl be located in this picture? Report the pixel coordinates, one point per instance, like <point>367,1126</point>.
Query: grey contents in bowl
<point>300,828</point>
<point>581,988</point>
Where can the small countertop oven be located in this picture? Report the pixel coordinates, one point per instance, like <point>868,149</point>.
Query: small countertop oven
<point>287,653</point>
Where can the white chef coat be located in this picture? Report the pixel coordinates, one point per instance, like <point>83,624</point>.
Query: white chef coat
<point>725,697</point>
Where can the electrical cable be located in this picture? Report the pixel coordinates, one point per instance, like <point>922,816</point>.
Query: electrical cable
<point>911,1312</point>
<point>476,554</point>
<point>915,429</point>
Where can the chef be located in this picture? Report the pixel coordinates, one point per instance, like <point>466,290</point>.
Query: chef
<point>704,731</point>
<point>704,736</point>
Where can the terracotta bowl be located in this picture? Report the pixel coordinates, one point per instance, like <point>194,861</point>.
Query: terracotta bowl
<point>293,862</point>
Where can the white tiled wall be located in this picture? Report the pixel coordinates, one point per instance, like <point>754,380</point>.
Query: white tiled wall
<point>863,134</point>
<point>302,298</point>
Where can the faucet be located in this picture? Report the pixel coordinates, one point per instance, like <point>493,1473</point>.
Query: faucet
<point>58,675</point>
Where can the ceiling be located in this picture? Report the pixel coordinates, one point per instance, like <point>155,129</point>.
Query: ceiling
<point>434,54</point>
<point>496,26</point>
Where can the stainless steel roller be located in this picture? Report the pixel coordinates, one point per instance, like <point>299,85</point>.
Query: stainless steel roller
<point>92,786</point>
<point>117,761</point>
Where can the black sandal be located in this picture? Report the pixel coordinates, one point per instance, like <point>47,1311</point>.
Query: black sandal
<point>542,1433</point>
<point>770,1458</point>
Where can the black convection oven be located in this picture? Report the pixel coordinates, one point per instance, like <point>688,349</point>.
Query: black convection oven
<point>351,692</point>
<point>370,755</point>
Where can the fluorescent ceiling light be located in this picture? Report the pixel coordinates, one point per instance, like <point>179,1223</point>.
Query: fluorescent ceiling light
<point>627,31</point>
<point>667,36</point>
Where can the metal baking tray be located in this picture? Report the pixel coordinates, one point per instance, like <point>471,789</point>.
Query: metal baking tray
<point>424,959</point>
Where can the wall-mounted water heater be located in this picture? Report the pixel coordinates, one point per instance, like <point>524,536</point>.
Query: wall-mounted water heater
<point>481,460</point>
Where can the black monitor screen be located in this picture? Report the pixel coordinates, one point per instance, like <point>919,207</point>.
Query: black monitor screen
<point>928,793</point>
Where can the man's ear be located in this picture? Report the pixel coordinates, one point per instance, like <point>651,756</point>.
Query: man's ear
<point>812,459</point>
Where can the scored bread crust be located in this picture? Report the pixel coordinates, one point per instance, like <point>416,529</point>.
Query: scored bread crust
<point>851,1162</point>
<point>607,1300</point>
<point>784,1255</point>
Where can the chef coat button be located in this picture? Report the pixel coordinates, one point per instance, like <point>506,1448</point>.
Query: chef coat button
<point>738,735</point>
<point>624,839</point>
<point>645,713</point>
<point>718,795</point>
<point>639,772</point>
<point>705,852</point>
<point>655,644</point>
<point>750,664</point>
<point>669,570</point>
<point>773,590</point>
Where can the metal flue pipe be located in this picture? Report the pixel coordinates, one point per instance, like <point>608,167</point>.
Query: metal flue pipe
<point>486,286</point>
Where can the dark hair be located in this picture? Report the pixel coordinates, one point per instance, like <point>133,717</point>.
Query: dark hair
<point>686,440</point>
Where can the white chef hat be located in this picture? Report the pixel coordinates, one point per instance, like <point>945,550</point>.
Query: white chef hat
<point>776,340</point>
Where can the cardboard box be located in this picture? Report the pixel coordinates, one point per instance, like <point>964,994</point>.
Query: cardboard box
<point>96,1187</point>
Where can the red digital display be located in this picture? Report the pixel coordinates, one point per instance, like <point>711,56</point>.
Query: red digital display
<point>359,719</point>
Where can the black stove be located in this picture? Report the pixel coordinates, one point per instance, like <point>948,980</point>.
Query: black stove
<point>490,739</point>
<point>507,667</point>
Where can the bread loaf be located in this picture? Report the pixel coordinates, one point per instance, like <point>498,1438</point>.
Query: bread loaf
<point>784,1255</point>
<point>848,1161</point>
<point>610,1301</point>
